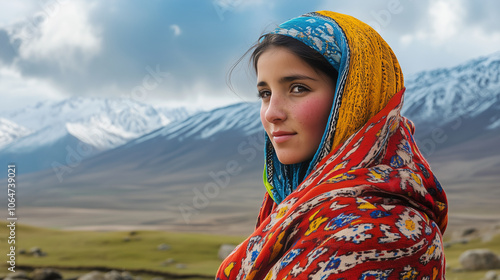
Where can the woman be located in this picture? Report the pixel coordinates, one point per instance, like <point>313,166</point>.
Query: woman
<point>349,196</point>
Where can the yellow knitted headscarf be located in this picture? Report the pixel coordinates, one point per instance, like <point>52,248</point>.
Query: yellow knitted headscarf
<point>374,76</point>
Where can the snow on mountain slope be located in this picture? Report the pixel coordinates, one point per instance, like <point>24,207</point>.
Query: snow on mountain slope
<point>78,128</point>
<point>101,123</point>
<point>10,131</point>
<point>177,113</point>
<point>45,136</point>
<point>207,125</point>
<point>465,91</point>
<point>100,132</point>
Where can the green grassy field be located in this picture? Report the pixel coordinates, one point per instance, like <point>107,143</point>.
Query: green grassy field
<point>453,253</point>
<point>138,250</point>
<point>120,250</point>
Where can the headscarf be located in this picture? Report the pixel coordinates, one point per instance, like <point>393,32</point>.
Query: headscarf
<point>370,207</point>
<point>369,75</point>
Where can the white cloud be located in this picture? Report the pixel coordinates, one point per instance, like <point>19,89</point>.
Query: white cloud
<point>61,34</point>
<point>444,39</point>
<point>18,91</point>
<point>176,29</point>
<point>420,54</point>
<point>446,18</point>
<point>14,11</point>
<point>198,94</point>
<point>444,21</point>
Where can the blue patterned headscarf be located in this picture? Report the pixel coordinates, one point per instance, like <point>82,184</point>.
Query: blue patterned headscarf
<point>325,36</point>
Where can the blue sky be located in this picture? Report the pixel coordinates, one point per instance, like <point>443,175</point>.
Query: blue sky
<point>178,52</point>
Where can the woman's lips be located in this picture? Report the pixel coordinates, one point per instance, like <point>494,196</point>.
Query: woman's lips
<point>282,136</point>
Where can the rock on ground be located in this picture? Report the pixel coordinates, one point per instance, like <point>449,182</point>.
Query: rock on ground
<point>477,259</point>
<point>491,275</point>
<point>93,275</point>
<point>18,275</point>
<point>46,274</point>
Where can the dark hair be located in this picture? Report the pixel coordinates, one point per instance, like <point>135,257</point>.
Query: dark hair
<point>306,53</point>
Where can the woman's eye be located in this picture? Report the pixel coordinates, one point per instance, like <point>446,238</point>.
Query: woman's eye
<point>264,94</point>
<point>299,89</point>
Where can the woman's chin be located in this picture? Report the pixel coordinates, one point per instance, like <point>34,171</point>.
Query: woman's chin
<point>287,160</point>
<point>290,160</point>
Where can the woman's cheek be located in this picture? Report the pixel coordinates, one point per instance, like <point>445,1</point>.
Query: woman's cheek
<point>311,113</point>
<point>314,117</point>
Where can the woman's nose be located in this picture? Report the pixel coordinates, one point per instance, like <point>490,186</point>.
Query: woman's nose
<point>276,109</point>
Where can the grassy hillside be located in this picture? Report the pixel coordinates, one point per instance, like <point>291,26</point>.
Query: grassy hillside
<point>139,250</point>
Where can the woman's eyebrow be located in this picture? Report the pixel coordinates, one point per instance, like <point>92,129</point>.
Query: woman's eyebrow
<point>288,79</point>
<point>262,84</point>
<point>292,78</point>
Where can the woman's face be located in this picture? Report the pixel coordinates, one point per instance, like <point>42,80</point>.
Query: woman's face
<point>296,103</point>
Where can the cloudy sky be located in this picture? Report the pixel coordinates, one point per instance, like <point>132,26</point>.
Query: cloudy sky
<point>178,52</point>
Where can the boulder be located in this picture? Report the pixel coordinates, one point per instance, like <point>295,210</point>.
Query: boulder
<point>18,275</point>
<point>113,275</point>
<point>93,275</point>
<point>491,275</point>
<point>468,231</point>
<point>168,261</point>
<point>127,276</point>
<point>477,259</point>
<point>163,247</point>
<point>225,250</point>
<point>46,274</point>
<point>37,252</point>
<point>180,266</point>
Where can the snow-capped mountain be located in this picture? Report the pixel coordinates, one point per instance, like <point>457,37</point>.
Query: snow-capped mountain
<point>91,124</point>
<point>177,113</point>
<point>242,117</point>
<point>101,123</point>
<point>10,131</point>
<point>470,91</point>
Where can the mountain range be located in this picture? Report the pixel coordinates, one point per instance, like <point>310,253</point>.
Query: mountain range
<point>112,163</point>
<point>44,134</point>
<point>463,100</point>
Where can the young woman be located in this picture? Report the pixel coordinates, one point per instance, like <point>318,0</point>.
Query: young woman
<point>349,196</point>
